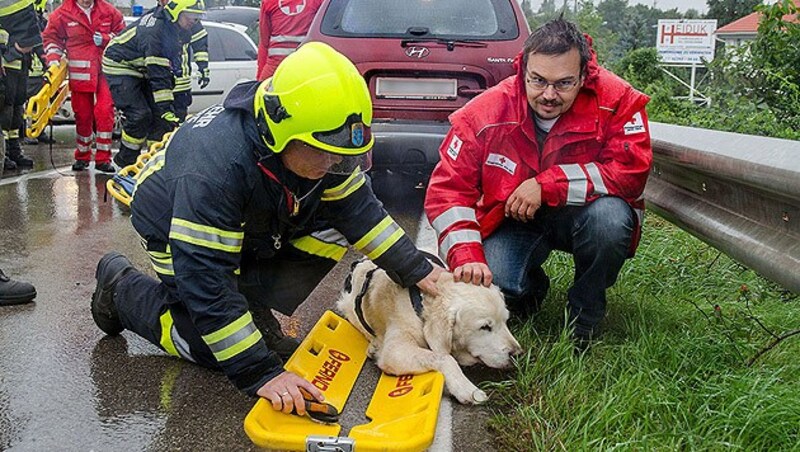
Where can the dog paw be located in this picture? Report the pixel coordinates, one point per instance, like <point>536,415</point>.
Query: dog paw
<point>479,396</point>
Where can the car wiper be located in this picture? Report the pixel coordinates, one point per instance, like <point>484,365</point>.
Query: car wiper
<point>450,43</point>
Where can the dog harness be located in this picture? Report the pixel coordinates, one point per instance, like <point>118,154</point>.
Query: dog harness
<point>414,294</point>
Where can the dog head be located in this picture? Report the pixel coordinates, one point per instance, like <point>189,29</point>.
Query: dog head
<point>472,326</point>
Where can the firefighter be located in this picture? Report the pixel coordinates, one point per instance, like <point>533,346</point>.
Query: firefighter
<point>22,36</point>
<point>36,74</point>
<point>81,29</point>
<point>139,64</point>
<point>196,51</point>
<point>282,27</point>
<point>247,208</point>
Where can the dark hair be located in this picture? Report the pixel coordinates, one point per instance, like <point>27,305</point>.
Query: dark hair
<point>556,37</point>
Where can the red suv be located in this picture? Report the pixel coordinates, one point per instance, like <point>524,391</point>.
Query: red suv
<point>422,60</point>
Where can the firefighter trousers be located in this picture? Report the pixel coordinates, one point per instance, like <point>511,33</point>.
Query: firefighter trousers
<point>153,309</point>
<point>134,98</point>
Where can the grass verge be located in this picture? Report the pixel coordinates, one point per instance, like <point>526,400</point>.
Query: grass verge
<point>672,369</point>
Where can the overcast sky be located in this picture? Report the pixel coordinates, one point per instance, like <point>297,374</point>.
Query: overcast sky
<point>682,5</point>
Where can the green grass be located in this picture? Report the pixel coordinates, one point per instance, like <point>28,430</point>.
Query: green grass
<point>670,371</point>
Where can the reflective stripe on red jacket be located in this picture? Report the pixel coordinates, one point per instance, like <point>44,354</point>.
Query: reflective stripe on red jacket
<point>599,147</point>
<point>282,27</point>
<point>70,32</point>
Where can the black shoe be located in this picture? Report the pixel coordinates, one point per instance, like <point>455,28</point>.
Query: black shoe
<point>22,160</point>
<point>270,328</point>
<point>30,141</point>
<point>80,165</point>
<point>110,269</point>
<point>105,167</point>
<point>15,292</point>
<point>125,157</point>
<point>9,165</point>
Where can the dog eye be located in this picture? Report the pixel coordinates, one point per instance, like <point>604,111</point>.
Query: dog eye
<point>487,327</point>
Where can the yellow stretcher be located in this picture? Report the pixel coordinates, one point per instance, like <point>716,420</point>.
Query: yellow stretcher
<point>402,412</point>
<point>44,104</point>
<point>121,185</point>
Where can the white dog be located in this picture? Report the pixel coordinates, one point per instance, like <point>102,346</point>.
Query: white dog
<point>465,324</point>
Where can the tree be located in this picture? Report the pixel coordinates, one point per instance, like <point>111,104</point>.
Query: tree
<point>726,11</point>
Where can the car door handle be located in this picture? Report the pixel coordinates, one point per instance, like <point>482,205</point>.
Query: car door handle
<point>462,91</point>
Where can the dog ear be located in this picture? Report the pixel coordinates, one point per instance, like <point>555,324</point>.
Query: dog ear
<point>438,331</point>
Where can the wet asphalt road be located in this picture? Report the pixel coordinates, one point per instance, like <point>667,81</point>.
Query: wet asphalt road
<point>64,386</point>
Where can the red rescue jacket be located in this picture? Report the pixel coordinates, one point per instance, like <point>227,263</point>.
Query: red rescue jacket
<point>599,147</point>
<point>70,31</point>
<point>282,27</point>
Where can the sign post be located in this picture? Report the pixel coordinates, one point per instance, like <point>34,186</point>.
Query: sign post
<point>686,43</point>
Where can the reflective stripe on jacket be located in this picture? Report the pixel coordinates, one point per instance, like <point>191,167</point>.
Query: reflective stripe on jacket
<point>599,147</point>
<point>70,33</point>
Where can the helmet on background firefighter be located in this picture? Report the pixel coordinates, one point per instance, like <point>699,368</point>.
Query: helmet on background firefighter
<point>318,97</point>
<point>190,7</point>
<point>40,5</point>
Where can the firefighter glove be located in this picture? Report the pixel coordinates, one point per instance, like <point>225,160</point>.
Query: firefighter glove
<point>171,119</point>
<point>205,77</point>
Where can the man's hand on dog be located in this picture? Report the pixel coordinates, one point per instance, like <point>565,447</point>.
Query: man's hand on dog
<point>428,283</point>
<point>284,393</point>
<point>475,272</point>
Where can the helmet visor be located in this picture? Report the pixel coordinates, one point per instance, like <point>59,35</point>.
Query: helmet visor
<point>347,164</point>
<point>196,15</point>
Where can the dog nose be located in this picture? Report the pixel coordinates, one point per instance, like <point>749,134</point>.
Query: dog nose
<point>515,351</point>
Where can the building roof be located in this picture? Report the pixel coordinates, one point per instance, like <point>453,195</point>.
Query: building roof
<point>749,23</point>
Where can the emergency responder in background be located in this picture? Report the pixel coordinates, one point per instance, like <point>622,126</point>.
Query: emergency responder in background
<point>36,74</point>
<point>555,157</point>
<point>197,51</point>
<point>247,209</point>
<point>139,64</point>
<point>282,27</point>
<point>80,30</point>
<point>22,35</point>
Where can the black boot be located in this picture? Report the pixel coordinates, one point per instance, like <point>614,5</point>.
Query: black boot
<point>8,164</point>
<point>15,292</point>
<point>111,268</point>
<point>126,156</point>
<point>270,328</point>
<point>14,152</point>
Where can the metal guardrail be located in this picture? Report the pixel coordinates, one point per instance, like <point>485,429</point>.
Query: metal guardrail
<point>739,193</point>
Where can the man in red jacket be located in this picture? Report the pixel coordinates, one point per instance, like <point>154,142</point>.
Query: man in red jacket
<point>81,29</point>
<point>282,27</point>
<point>554,157</point>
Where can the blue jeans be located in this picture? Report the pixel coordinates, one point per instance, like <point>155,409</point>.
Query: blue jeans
<point>598,236</point>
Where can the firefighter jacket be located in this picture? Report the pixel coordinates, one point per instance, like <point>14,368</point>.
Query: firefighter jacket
<point>599,147</point>
<point>283,25</point>
<point>208,199</point>
<point>70,31</point>
<point>149,48</point>
<point>195,51</point>
<point>18,18</point>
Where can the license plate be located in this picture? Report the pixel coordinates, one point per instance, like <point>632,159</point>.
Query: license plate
<point>415,88</point>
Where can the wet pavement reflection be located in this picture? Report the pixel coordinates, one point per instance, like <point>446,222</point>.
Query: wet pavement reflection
<point>64,386</point>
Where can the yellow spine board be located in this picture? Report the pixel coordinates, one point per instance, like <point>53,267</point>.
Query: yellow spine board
<point>331,358</point>
<point>44,105</point>
<point>403,413</point>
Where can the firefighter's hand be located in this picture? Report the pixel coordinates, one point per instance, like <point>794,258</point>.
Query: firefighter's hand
<point>171,119</point>
<point>204,77</point>
<point>97,37</point>
<point>284,393</point>
<point>475,272</point>
<point>22,49</point>
<point>428,283</point>
<point>524,201</point>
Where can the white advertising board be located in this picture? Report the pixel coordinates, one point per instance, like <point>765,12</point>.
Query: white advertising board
<point>685,41</point>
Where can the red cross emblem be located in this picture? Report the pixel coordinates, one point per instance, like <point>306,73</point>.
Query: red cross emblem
<point>292,7</point>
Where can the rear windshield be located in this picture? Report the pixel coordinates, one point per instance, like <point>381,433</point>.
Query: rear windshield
<point>453,19</point>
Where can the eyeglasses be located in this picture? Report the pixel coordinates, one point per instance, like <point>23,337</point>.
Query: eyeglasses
<point>561,86</point>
